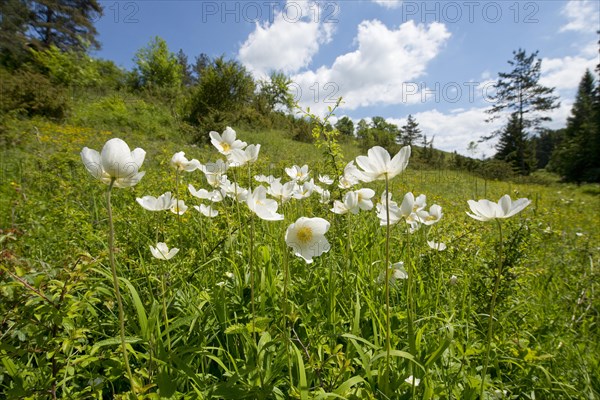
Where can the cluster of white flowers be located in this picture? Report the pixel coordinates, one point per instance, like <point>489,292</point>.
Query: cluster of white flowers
<point>412,210</point>
<point>117,166</point>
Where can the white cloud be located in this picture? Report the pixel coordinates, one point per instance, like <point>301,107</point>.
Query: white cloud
<point>566,72</point>
<point>287,44</point>
<point>582,16</point>
<point>389,3</point>
<point>380,70</point>
<point>454,130</point>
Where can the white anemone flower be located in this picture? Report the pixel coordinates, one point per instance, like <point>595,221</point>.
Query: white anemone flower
<point>396,273</point>
<point>439,246</point>
<point>214,195</point>
<point>397,213</point>
<point>207,211</point>
<point>364,197</point>
<point>485,210</point>
<point>350,204</point>
<point>296,173</point>
<point>350,177</point>
<point>266,179</point>
<point>430,217</point>
<point>265,208</point>
<point>214,172</point>
<point>239,157</point>
<point>411,380</point>
<point>115,163</point>
<point>307,238</point>
<point>377,164</point>
<point>394,213</point>
<point>234,191</point>
<point>304,190</point>
<point>181,163</point>
<point>162,252</point>
<point>325,179</point>
<point>420,203</point>
<point>227,142</point>
<point>163,202</point>
<point>178,207</point>
<point>324,196</point>
<point>281,192</point>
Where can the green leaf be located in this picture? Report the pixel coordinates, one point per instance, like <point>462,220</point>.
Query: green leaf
<point>166,383</point>
<point>139,308</point>
<point>10,366</point>
<point>347,385</point>
<point>301,375</point>
<point>112,342</point>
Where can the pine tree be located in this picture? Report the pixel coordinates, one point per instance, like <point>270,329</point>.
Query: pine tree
<point>520,93</point>
<point>13,27</point>
<point>576,158</point>
<point>66,24</point>
<point>410,132</point>
<point>514,148</point>
<point>187,79</point>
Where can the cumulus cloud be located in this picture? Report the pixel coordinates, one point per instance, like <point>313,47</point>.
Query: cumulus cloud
<point>389,3</point>
<point>288,43</point>
<point>380,70</point>
<point>566,72</point>
<point>582,16</point>
<point>456,129</point>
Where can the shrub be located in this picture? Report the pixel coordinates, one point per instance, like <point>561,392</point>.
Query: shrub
<point>29,93</point>
<point>496,169</point>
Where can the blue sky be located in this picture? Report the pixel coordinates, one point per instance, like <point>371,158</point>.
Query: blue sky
<point>432,59</point>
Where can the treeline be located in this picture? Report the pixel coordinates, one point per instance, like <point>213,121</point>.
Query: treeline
<point>572,152</point>
<point>44,59</point>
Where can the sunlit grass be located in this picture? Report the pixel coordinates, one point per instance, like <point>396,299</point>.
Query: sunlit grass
<point>189,323</point>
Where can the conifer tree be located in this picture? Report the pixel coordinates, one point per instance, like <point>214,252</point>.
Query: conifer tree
<point>514,147</point>
<point>519,93</point>
<point>66,24</point>
<point>576,159</point>
<point>410,132</point>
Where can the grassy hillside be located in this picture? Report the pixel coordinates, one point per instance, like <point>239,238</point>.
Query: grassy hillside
<point>319,332</point>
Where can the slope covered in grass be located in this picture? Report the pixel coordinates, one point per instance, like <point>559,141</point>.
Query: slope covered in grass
<point>317,332</point>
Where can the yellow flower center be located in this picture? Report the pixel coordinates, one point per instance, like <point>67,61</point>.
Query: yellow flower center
<point>225,146</point>
<point>304,234</point>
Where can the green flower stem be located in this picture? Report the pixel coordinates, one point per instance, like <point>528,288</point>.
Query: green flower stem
<point>251,267</point>
<point>286,278</point>
<point>388,333</point>
<point>411,309</point>
<point>491,314</point>
<point>177,206</point>
<point>251,261</point>
<point>113,269</point>
<point>164,304</point>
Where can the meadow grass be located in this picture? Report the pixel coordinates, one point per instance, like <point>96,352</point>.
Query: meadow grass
<point>319,333</point>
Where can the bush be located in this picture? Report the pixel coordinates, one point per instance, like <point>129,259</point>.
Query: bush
<point>69,68</point>
<point>496,169</point>
<point>225,87</point>
<point>29,93</point>
<point>119,113</point>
